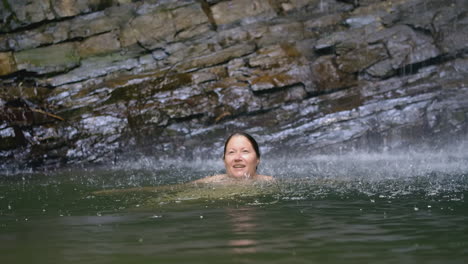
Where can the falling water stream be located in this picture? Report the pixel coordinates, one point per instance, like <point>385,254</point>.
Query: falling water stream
<point>355,208</point>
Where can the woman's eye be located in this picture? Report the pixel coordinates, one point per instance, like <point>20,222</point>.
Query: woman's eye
<point>245,151</point>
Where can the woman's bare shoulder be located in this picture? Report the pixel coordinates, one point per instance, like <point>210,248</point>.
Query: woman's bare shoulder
<point>225,179</point>
<point>264,178</point>
<point>212,179</point>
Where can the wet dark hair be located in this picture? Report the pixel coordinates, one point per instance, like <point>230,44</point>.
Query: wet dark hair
<point>249,137</point>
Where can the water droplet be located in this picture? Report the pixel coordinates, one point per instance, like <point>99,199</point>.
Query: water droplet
<point>416,209</point>
<point>201,216</point>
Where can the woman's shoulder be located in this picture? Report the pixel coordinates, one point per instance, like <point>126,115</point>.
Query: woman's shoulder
<point>264,178</point>
<point>224,178</point>
<point>212,179</point>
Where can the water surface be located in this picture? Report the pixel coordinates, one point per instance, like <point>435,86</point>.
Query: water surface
<point>356,209</point>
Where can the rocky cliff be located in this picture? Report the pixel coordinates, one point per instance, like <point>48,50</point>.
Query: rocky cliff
<point>101,80</point>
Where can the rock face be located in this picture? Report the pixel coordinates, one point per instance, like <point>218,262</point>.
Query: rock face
<point>100,80</point>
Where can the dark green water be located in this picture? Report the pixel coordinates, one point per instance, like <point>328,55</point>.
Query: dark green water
<point>386,209</point>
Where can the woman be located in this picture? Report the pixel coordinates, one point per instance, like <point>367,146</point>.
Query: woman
<point>241,158</point>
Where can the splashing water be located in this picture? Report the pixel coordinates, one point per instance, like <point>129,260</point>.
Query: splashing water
<point>383,175</point>
<point>405,207</point>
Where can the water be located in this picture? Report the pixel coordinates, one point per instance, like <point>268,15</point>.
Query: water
<point>405,208</point>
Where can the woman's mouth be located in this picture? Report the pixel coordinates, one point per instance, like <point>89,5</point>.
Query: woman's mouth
<point>238,166</point>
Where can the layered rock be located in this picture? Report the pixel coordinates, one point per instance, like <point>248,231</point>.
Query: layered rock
<point>93,81</point>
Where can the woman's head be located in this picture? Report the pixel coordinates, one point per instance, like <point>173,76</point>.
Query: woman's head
<point>241,155</point>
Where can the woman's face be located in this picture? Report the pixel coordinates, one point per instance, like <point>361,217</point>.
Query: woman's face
<point>240,158</point>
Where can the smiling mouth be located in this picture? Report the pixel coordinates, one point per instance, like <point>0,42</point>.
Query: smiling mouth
<point>238,166</point>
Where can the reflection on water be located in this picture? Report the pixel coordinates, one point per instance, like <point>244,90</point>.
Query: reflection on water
<point>243,224</point>
<point>406,208</point>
